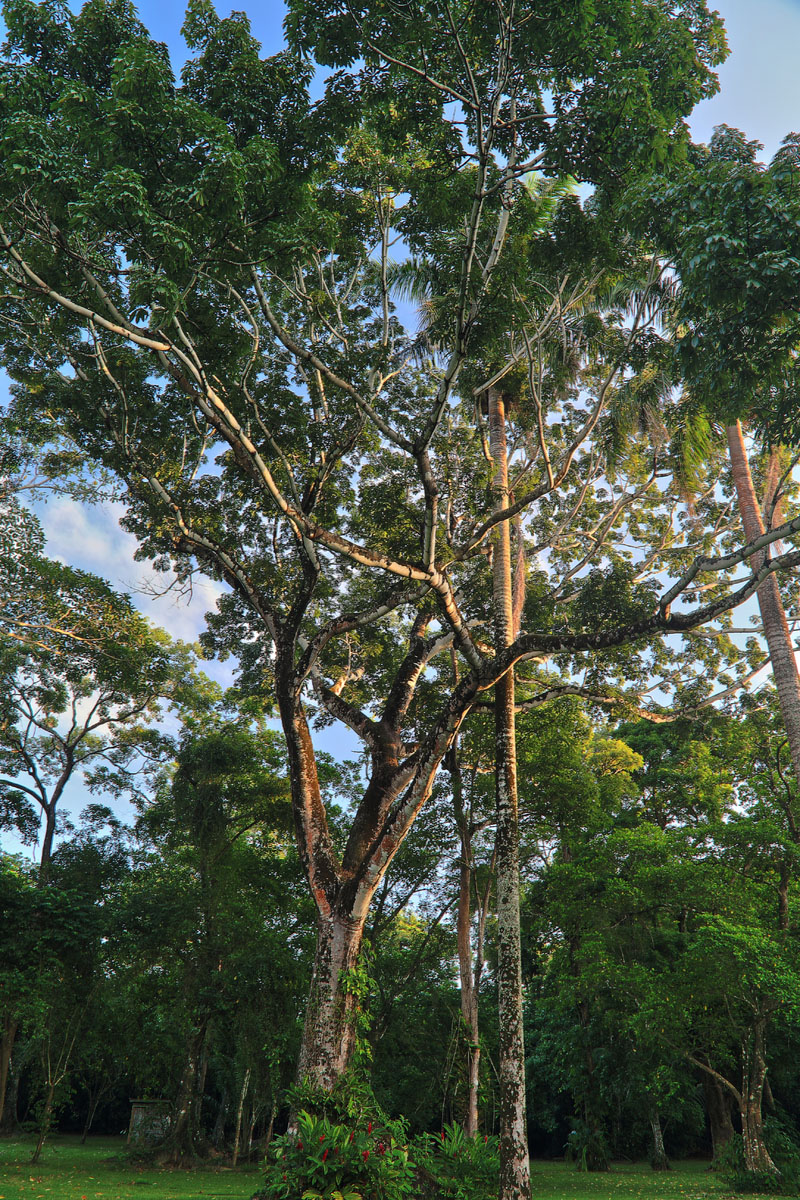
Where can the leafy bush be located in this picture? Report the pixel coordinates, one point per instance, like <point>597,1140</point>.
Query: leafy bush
<point>326,1160</point>
<point>452,1166</point>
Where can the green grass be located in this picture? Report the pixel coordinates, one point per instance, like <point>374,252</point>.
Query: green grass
<point>628,1181</point>
<point>99,1171</point>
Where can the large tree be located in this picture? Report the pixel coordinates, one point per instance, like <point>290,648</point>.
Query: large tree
<point>196,291</point>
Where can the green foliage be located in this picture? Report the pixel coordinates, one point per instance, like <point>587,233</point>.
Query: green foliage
<point>326,1159</point>
<point>586,1148</point>
<point>452,1166</point>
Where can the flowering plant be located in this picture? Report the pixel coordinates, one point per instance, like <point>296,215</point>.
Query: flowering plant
<point>323,1160</point>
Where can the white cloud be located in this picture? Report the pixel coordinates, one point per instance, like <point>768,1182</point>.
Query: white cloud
<point>89,537</point>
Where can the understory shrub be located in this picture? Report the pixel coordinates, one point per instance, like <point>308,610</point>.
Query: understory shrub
<point>328,1160</point>
<point>586,1147</point>
<point>452,1166</point>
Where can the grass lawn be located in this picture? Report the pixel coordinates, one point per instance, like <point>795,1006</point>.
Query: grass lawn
<point>99,1171</point>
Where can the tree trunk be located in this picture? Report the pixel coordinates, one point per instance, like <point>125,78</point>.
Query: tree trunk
<point>181,1139</point>
<point>754,1070</point>
<point>271,1124</point>
<point>10,1026</point>
<point>514,1161</point>
<point>659,1161</point>
<point>773,615</point>
<point>44,1128</point>
<point>237,1134</point>
<point>469,991</point>
<point>718,1107</point>
<point>94,1099</point>
<point>329,1030</point>
<point>10,1111</point>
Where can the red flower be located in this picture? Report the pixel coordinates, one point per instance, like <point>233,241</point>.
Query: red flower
<point>369,1127</point>
<point>322,1139</point>
<point>442,1135</point>
<point>299,1145</point>
<point>352,1134</point>
<point>381,1148</point>
<point>365,1155</point>
<point>325,1155</point>
<point>284,1174</point>
<point>485,1138</point>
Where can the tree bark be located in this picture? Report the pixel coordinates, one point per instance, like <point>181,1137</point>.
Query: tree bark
<point>514,1161</point>
<point>718,1108</point>
<point>181,1138</point>
<point>10,1111</point>
<point>469,990</point>
<point>754,1070</point>
<point>7,1039</point>
<point>329,1030</point>
<point>44,1128</point>
<point>239,1109</point>
<point>773,615</point>
<point>659,1161</point>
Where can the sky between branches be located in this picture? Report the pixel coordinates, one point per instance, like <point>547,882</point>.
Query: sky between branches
<point>760,93</point>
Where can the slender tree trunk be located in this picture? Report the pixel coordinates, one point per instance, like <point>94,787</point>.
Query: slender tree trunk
<point>718,1107</point>
<point>44,1127</point>
<point>94,1099</point>
<point>469,993</point>
<point>514,1161</point>
<point>773,615</point>
<point>659,1161</point>
<point>271,1124</point>
<point>754,1070</point>
<point>7,1038</point>
<point>10,1112</point>
<point>239,1116</point>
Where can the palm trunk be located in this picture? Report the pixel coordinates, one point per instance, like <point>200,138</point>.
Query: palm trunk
<point>514,1161</point>
<point>773,615</point>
